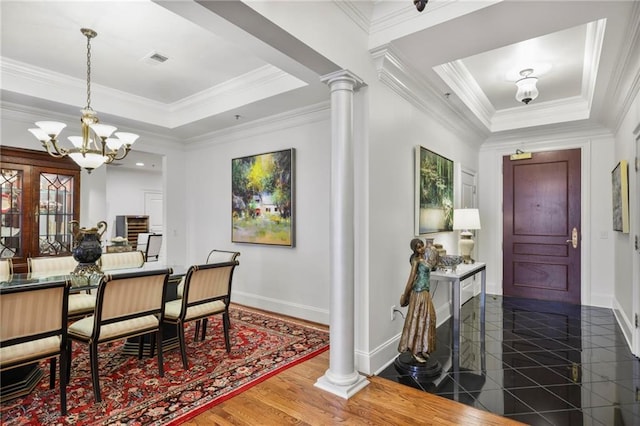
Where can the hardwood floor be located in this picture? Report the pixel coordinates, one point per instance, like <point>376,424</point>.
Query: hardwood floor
<point>291,398</point>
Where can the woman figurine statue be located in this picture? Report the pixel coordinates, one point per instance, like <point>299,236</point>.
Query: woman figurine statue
<point>419,331</point>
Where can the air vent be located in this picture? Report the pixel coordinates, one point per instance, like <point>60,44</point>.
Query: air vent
<point>158,57</point>
<point>155,58</point>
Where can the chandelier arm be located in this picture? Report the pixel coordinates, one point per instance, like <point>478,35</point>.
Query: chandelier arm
<point>114,155</point>
<point>59,151</point>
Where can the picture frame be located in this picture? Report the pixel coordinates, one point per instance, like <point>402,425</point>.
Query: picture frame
<point>262,198</point>
<point>620,197</point>
<point>434,194</point>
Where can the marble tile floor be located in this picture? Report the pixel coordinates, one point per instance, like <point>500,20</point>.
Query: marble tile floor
<point>544,363</point>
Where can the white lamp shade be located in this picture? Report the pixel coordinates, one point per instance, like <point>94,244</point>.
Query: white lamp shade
<point>114,144</point>
<point>465,219</point>
<point>51,128</point>
<point>88,160</point>
<point>127,138</point>
<point>527,90</point>
<point>103,130</point>
<point>77,141</point>
<point>40,134</point>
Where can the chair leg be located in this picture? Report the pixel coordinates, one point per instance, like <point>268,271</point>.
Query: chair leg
<point>68,370</point>
<point>93,355</point>
<point>140,346</point>
<point>197,333</point>
<point>152,345</point>
<point>63,381</point>
<point>159,348</point>
<point>52,373</point>
<point>204,328</point>
<point>183,346</point>
<point>226,324</point>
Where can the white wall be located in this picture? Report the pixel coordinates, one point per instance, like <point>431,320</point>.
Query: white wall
<point>125,193</point>
<point>625,269</point>
<point>293,281</point>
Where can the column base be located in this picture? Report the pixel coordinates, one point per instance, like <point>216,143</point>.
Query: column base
<point>343,391</point>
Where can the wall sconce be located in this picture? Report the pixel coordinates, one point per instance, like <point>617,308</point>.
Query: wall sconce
<point>527,90</point>
<point>466,220</point>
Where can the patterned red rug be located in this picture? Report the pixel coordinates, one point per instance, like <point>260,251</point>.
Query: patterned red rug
<point>132,392</point>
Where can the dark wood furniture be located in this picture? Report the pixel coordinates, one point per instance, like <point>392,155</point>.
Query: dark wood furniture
<point>130,226</point>
<point>40,196</point>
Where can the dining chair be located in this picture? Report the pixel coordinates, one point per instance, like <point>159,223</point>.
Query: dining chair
<point>207,291</point>
<point>123,260</point>
<point>152,251</point>
<point>6,268</point>
<point>33,327</point>
<point>128,305</point>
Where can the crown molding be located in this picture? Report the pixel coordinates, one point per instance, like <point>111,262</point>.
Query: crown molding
<point>28,115</point>
<point>283,121</point>
<point>256,85</point>
<point>625,78</point>
<point>399,77</point>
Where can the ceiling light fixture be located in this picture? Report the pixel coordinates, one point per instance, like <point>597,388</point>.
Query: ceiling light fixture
<point>95,147</point>
<point>527,90</point>
<point>420,4</point>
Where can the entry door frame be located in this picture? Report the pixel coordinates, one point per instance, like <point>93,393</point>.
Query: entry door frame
<point>634,168</point>
<point>585,216</point>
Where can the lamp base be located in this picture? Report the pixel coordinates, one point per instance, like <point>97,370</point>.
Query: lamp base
<point>465,246</point>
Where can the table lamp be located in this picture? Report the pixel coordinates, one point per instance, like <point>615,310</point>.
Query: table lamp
<point>466,220</point>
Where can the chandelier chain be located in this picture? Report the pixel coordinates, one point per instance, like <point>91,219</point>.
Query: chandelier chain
<point>88,72</point>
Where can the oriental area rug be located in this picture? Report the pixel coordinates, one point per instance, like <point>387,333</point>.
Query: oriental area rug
<point>262,345</point>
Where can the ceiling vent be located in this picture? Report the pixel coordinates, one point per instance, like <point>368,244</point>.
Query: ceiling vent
<point>155,58</point>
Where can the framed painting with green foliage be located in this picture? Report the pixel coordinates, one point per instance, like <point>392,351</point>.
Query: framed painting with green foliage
<point>434,192</point>
<point>262,198</point>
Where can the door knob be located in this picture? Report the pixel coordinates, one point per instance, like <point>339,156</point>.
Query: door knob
<point>574,238</point>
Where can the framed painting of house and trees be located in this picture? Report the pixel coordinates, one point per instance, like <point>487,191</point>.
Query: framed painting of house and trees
<point>262,204</point>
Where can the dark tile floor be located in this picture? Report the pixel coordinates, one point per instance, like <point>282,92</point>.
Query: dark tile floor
<point>544,363</point>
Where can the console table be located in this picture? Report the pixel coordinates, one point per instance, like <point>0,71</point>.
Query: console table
<point>462,272</point>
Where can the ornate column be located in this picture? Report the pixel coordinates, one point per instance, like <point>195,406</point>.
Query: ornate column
<point>342,378</point>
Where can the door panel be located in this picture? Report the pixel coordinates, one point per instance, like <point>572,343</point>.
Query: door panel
<point>541,209</point>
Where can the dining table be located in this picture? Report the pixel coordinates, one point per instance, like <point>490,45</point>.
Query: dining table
<point>22,380</point>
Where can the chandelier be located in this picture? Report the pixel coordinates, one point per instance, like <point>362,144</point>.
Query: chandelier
<point>527,90</point>
<point>95,147</point>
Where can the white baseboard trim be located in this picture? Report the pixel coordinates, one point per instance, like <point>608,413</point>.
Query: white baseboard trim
<point>296,310</point>
<point>626,324</point>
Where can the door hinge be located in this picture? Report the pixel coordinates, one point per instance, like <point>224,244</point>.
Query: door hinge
<point>637,164</point>
<point>636,320</point>
<point>636,243</point>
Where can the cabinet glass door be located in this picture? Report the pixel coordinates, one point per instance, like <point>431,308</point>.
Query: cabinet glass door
<point>55,211</point>
<point>12,184</point>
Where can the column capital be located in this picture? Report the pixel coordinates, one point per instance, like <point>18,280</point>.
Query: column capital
<point>345,76</point>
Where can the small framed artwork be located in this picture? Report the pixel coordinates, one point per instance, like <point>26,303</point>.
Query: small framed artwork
<point>262,198</point>
<point>620,188</point>
<point>433,192</point>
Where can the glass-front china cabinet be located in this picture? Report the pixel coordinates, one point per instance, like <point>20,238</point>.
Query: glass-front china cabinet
<point>40,196</point>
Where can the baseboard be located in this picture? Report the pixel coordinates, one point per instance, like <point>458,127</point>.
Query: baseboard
<point>625,323</point>
<point>305,312</point>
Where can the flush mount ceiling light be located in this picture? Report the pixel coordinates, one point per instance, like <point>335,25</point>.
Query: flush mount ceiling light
<point>95,147</point>
<point>527,90</point>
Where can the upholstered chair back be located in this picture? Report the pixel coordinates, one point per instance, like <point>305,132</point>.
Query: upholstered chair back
<point>33,327</point>
<point>215,256</point>
<point>50,265</point>
<point>129,296</point>
<point>124,260</point>
<point>220,256</point>
<point>6,268</point>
